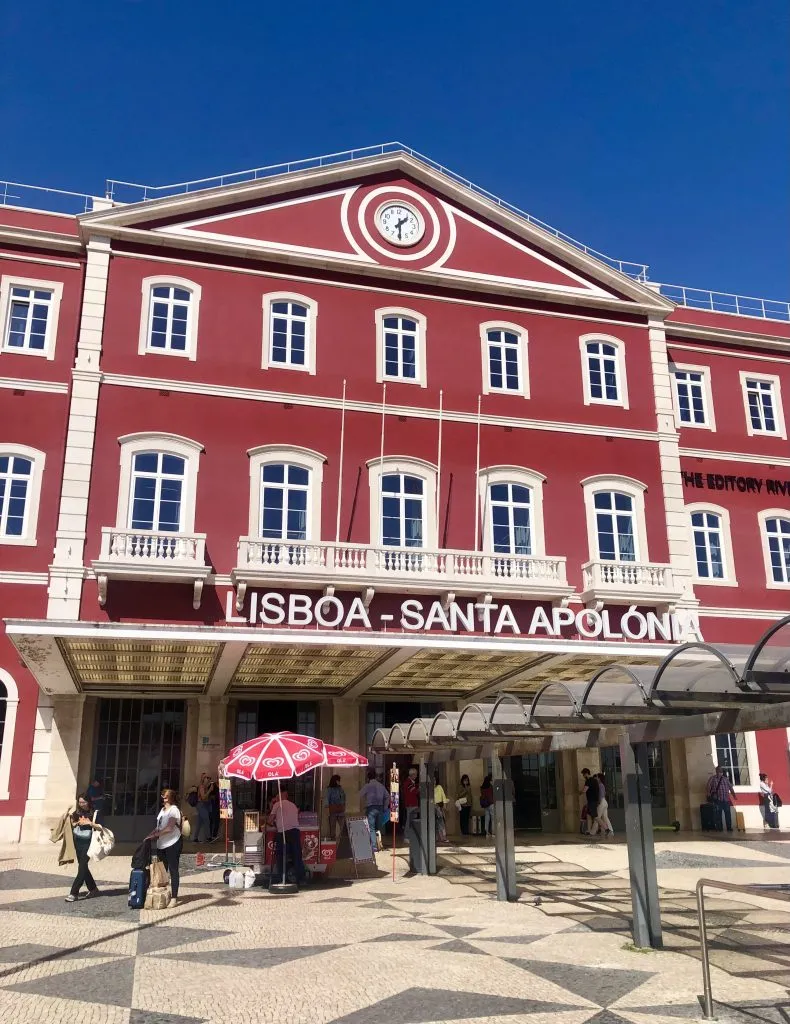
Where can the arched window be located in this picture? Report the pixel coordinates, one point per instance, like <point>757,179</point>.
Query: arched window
<point>158,483</point>
<point>400,346</point>
<point>289,331</point>
<point>285,493</point>
<point>775,525</point>
<point>21,470</point>
<point>615,519</point>
<point>168,324</point>
<point>603,370</point>
<point>403,503</point>
<point>710,535</point>
<point>505,368</point>
<point>512,503</point>
<point>9,700</point>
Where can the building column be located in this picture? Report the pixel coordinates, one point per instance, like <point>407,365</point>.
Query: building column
<point>54,770</point>
<point>678,795</point>
<point>426,862</point>
<point>504,837</point>
<point>646,926</point>
<point>347,732</point>
<point>572,762</point>
<point>211,727</point>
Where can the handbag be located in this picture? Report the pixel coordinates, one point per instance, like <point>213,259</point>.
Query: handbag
<point>186,827</point>
<point>101,844</point>
<point>337,808</point>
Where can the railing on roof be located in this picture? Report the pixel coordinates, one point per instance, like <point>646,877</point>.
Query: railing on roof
<point>36,197</point>
<point>723,302</point>
<point>126,191</point>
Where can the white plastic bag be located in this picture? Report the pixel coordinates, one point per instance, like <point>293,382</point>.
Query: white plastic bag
<point>102,842</point>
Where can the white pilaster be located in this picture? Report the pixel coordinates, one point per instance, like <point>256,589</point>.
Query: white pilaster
<point>680,554</point>
<point>66,571</point>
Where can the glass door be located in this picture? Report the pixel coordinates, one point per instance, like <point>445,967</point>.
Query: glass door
<point>535,792</point>
<point>610,766</point>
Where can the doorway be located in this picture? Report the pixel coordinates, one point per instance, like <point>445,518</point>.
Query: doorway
<point>656,766</point>
<point>535,804</point>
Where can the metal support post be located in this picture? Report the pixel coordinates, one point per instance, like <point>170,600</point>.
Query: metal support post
<point>427,826</point>
<point>641,850</point>
<point>504,839</point>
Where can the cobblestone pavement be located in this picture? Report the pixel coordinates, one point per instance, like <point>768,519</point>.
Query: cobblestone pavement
<point>374,951</point>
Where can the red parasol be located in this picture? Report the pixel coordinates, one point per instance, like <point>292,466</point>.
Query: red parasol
<point>274,755</point>
<point>339,757</point>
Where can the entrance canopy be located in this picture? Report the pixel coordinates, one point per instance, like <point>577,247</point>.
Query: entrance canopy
<point>696,689</point>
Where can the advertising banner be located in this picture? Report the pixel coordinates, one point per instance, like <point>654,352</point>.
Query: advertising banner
<point>225,799</point>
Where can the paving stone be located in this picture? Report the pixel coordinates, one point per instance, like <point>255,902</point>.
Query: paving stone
<point>403,937</point>
<point>152,1017</point>
<point>601,985</point>
<point>27,952</point>
<point>158,937</point>
<point>427,1005</point>
<point>111,984</point>
<point>18,878</point>
<point>459,946</point>
<point>259,957</point>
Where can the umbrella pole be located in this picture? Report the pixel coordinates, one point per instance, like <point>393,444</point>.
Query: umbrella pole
<point>318,806</point>
<point>282,829</point>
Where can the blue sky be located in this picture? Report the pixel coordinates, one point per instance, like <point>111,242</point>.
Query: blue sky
<point>655,133</point>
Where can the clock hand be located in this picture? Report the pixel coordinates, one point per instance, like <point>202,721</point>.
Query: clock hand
<point>399,224</point>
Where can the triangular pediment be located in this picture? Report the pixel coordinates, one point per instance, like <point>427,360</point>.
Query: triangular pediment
<point>338,216</point>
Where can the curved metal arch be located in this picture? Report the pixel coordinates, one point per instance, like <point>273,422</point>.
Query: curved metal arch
<point>384,735</point>
<point>608,668</point>
<point>761,643</point>
<point>509,698</point>
<point>549,686</point>
<point>473,709</point>
<point>415,724</point>
<point>695,645</point>
<point>442,716</point>
<point>399,727</point>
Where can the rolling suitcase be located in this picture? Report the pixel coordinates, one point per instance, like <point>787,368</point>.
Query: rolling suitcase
<point>138,885</point>
<point>709,817</point>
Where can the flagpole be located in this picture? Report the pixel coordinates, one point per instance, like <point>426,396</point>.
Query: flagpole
<point>439,473</point>
<point>340,466</point>
<point>477,481</point>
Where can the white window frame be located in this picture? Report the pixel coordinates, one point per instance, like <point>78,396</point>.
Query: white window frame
<point>161,281</point>
<point>779,414</point>
<point>707,396</point>
<point>267,363</point>
<point>9,730</point>
<point>9,281</point>
<point>635,489</point>
<point>727,557</point>
<point>427,471</point>
<point>523,360</point>
<point>763,517</point>
<point>523,477</point>
<point>622,379</point>
<point>421,378</point>
<point>171,444</point>
<point>33,499</point>
<point>752,762</point>
<point>293,455</point>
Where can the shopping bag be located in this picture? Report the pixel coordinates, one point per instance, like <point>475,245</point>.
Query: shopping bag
<point>159,877</point>
<point>102,842</point>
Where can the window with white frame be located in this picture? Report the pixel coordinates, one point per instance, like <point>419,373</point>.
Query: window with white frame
<point>615,519</point>
<point>763,404</point>
<point>603,370</point>
<point>168,324</point>
<point>512,502</point>
<point>403,503</point>
<point>21,470</point>
<point>504,348</point>
<point>9,702</point>
<point>710,535</point>
<point>776,546</point>
<point>158,483</point>
<point>289,332</point>
<point>732,754</point>
<point>693,398</point>
<point>400,346</point>
<point>29,315</point>
<point>285,493</point>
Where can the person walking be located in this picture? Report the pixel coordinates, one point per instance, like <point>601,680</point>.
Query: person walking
<point>169,841</point>
<point>203,809</point>
<point>601,820</point>
<point>439,801</point>
<point>583,826</point>
<point>214,818</point>
<point>98,798</point>
<point>464,804</point>
<point>374,798</point>
<point>768,802</point>
<point>592,791</point>
<point>721,793</point>
<point>335,803</point>
<point>487,804</point>
<point>284,816</point>
<point>82,826</point>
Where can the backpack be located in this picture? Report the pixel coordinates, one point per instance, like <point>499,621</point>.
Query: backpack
<point>141,857</point>
<point>192,798</point>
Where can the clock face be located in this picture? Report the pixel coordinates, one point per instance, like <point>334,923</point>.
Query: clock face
<point>400,223</point>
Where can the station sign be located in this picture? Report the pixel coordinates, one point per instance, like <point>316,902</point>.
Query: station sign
<point>414,615</point>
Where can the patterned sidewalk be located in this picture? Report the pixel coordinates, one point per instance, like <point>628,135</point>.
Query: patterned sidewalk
<point>376,952</point>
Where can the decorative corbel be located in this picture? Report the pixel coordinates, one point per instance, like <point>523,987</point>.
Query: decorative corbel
<point>241,593</point>
<point>329,590</point>
<point>448,598</point>
<point>367,596</point>
<point>560,602</point>
<point>484,599</point>
<point>101,582</point>
<point>197,593</point>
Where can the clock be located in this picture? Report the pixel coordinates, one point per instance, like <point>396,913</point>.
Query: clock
<point>400,223</point>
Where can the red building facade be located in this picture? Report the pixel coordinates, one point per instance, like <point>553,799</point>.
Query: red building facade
<point>327,448</point>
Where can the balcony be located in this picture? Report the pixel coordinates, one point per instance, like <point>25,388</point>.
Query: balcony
<point>302,564</point>
<point>152,555</point>
<point>628,583</point>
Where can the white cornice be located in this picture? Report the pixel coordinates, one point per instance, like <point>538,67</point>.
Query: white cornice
<point>726,335</point>
<point>739,613</point>
<point>36,579</point>
<point>725,352</point>
<point>742,458</point>
<point>415,412</point>
<point>51,387</point>
<point>48,261</point>
<point>38,239</point>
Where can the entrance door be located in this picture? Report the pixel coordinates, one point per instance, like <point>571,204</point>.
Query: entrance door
<point>610,766</point>
<point>139,752</point>
<point>535,792</point>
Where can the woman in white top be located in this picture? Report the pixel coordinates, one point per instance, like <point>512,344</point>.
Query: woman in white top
<point>768,801</point>
<point>168,839</point>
